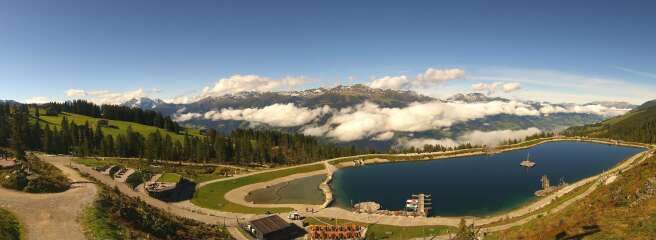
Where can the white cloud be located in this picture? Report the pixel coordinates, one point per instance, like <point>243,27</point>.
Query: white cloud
<point>182,99</point>
<point>186,116</point>
<point>277,115</point>
<point>558,86</point>
<point>241,83</point>
<point>387,82</point>
<point>420,142</point>
<point>429,77</point>
<point>436,76</point>
<point>488,88</point>
<point>491,88</point>
<point>37,100</point>
<point>314,130</point>
<point>547,109</point>
<point>480,138</point>
<point>511,87</point>
<point>107,97</point>
<point>493,138</point>
<point>369,119</point>
<point>76,93</point>
<point>384,136</point>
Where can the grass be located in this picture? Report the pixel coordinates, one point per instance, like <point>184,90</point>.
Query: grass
<point>212,195</point>
<point>99,226</point>
<point>121,126</point>
<point>170,178</point>
<point>625,209</point>
<point>10,229</point>
<point>381,231</point>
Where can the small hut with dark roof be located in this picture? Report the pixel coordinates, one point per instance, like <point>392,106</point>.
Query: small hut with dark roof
<point>274,228</point>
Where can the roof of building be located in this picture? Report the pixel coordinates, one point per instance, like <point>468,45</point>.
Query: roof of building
<point>269,224</point>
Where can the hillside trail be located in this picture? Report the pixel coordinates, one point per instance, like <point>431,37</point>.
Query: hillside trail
<point>51,215</point>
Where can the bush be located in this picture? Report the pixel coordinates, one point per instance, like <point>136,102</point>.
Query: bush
<point>13,181</point>
<point>44,184</point>
<point>138,177</point>
<point>45,178</point>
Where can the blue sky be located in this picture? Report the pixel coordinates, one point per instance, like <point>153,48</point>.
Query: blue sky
<point>561,51</point>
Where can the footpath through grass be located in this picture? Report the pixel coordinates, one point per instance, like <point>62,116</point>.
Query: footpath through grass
<point>212,195</point>
<point>10,229</point>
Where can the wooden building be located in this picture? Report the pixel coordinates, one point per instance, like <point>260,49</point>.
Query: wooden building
<point>273,228</point>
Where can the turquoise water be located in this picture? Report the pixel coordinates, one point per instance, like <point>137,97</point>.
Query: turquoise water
<point>477,185</point>
<point>303,190</point>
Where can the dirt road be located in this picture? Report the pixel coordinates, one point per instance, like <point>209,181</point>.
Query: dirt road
<point>51,215</point>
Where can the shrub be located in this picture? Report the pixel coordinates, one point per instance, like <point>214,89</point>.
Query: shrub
<point>13,181</point>
<point>138,177</point>
<point>44,184</point>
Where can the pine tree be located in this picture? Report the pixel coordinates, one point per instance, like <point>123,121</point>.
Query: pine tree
<point>19,131</point>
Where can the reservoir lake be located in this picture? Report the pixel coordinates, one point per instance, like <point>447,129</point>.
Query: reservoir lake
<point>475,185</point>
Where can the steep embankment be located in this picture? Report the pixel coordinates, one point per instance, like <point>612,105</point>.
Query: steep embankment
<point>621,208</point>
<point>638,125</point>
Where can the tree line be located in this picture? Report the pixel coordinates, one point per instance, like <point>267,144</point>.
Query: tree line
<point>22,131</point>
<point>114,112</point>
<point>638,126</point>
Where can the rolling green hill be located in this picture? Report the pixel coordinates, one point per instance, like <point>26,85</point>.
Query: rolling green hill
<point>115,127</point>
<point>638,125</point>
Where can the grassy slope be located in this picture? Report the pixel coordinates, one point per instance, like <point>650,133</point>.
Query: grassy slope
<point>55,121</point>
<point>98,225</point>
<point>212,195</point>
<point>618,127</point>
<point>9,226</point>
<point>610,207</point>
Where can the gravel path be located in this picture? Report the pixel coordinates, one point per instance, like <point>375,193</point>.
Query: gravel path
<point>51,215</point>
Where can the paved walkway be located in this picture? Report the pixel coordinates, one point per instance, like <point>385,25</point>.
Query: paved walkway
<point>51,215</point>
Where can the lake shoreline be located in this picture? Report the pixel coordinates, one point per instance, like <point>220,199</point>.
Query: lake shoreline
<point>534,200</point>
<point>380,158</point>
<point>524,211</point>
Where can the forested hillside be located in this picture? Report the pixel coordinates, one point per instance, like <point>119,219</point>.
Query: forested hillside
<point>638,125</point>
<point>25,129</point>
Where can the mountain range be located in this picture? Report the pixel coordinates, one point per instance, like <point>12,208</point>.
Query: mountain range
<point>329,106</point>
